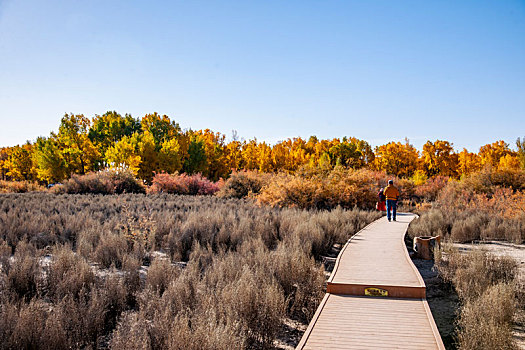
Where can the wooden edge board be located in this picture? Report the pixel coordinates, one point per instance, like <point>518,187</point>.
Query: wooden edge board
<point>433,325</point>
<point>312,323</point>
<point>394,291</point>
<point>409,260</point>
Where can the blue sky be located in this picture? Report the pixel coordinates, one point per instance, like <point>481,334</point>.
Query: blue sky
<point>376,70</point>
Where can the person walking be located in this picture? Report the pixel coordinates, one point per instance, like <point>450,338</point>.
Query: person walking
<point>391,194</point>
<point>381,203</point>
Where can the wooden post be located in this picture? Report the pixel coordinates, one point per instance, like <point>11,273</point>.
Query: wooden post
<point>424,246</point>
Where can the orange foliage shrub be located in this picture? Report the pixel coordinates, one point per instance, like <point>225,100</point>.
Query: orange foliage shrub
<point>340,187</point>
<point>19,186</point>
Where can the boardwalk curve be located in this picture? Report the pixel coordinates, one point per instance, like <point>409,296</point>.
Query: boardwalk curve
<point>352,315</point>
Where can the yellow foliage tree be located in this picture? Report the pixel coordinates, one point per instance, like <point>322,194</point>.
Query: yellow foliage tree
<point>396,158</point>
<point>20,163</point>
<point>233,154</point>
<point>509,162</point>
<point>468,162</point>
<point>125,153</point>
<point>214,148</point>
<point>4,156</point>
<point>439,158</point>
<point>264,157</point>
<point>78,152</point>
<point>169,156</point>
<point>492,153</point>
<point>249,155</point>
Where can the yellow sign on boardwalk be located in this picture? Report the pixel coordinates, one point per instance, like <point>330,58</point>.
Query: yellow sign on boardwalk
<point>376,292</point>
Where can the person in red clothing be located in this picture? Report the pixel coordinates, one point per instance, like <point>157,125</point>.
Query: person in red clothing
<point>381,203</point>
<point>392,194</point>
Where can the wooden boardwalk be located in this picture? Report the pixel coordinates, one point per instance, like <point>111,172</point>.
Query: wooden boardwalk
<point>375,296</point>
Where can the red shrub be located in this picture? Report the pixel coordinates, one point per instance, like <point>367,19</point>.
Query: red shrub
<point>184,184</point>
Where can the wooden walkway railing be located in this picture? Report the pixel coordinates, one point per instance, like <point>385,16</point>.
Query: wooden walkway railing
<point>375,296</point>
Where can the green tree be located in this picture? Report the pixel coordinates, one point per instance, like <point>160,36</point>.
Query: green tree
<point>161,128</point>
<point>49,162</point>
<point>345,153</point>
<point>196,161</point>
<point>109,128</point>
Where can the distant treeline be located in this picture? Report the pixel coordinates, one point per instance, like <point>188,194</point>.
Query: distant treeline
<point>156,144</point>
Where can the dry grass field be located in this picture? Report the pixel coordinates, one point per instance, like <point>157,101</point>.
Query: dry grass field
<point>159,271</point>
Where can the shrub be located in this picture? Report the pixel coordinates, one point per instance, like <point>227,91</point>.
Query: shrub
<point>486,322</point>
<point>471,274</point>
<point>430,189</point>
<point>243,184</point>
<point>102,182</point>
<point>160,275</point>
<point>68,274</point>
<point>24,273</point>
<point>340,187</point>
<point>183,184</point>
<point>248,267</point>
<point>486,286</point>
<point>111,250</point>
<point>19,187</point>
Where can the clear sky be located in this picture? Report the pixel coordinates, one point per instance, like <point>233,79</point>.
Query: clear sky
<point>271,69</point>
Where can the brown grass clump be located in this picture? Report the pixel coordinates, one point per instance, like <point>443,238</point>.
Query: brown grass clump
<point>68,274</point>
<point>487,289</point>
<point>486,322</point>
<point>111,250</point>
<point>471,274</point>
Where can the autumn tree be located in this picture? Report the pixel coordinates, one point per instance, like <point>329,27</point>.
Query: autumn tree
<point>509,162</point>
<point>396,158</point>
<point>169,156</point>
<point>468,162</point>
<point>162,128</point>
<point>250,154</point>
<point>439,158</point>
<point>124,153</point>
<point>4,156</point>
<point>20,163</point>
<point>491,153</point>
<point>215,151</point>
<point>233,155</point>
<point>366,156</point>
<point>264,157</point>
<point>78,152</point>
<point>345,153</point>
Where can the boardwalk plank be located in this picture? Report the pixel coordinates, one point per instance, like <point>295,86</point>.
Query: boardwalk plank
<point>376,256</point>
